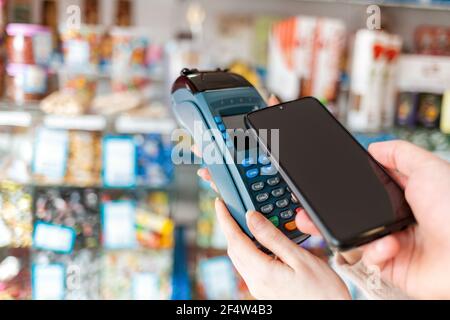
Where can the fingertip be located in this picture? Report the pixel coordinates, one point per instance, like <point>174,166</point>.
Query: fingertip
<point>304,223</point>
<point>255,220</point>
<point>218,202</point>
<point>200,172</point>
<point>195,150</point>
<point>381,250</point>
<point>273,100</point>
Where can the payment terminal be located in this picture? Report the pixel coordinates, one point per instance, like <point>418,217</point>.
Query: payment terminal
<point>216,102</point>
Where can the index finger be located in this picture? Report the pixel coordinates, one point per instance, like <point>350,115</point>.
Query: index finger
<point>195,150</point>
<point>239,243</point>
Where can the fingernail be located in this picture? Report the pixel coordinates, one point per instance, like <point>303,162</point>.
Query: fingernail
<point>199,171</point>
<point>255,220</point>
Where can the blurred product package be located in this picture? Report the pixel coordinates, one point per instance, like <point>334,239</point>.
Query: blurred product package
<point>130,47</point>
<point>15,280</point>
<point>25,83</point>
<point>422,80</point>
<point>129,222</point>
<point>84,159</point>
<point>81,46</point>
<point>15,215</point>
<point>305,58</point>
<point>209,234</point>
<point>74,276</point>
<point>69,209</point>
<point>50,153</point>
<point>16,145</point>
<point>29,44</point>
<point>423,73</point>
<point>445,113</point>
<point>137,275</point>
<point>29,51</point>
<point>429,110</point>
<point>67,157</point>
<point>80,83</point>
<point>407,109</point>
<point>434,40</point>
<point>213,287</point>
<point>373,80</point>
<point>155,167</point>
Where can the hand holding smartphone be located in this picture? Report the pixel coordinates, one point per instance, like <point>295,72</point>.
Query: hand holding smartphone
<point>348,195</point>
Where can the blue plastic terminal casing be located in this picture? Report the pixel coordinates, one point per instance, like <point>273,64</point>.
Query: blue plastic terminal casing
<point>200,100</point>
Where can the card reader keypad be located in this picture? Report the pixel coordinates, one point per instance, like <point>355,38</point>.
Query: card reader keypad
<point>270,193</point>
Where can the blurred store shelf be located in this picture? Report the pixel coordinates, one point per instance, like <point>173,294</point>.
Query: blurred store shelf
<point>143,188</point>
<point>122,123</point>
<point>15,118</point>
<point>419,5</point>
<point>128,124</point>
<point>82,122</point>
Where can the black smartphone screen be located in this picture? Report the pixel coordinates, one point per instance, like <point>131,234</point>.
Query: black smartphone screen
<point>350,195</point>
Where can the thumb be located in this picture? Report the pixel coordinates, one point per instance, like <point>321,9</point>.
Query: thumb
<point>400,156</point>
<point>381,251</point>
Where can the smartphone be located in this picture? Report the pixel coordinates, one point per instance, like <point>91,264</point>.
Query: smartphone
<point>348,195</point>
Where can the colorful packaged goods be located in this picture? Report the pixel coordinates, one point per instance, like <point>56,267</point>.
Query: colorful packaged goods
<point>91,11</point>
<point>129,58</point>
<point>106,52</point>
<point>62,103</point>
<point>15,215</point>
<point>26,83</point>
<point>154,228</point>
<point>66,277</point>
<point>155,167</point>
<point>153,231</point>
<point>15,280</point>
<point>74,208</point>
<point>117,102</point>
<point>15,152</point>
<point>84,161</point>
<point>209,234</point>
<point>304,58</point>
<point>50,151</point>
<point>136,275</point>
<point>29,44</point>
<point>229,286</point>
<point>373,88</point>
<point>445,113</point>
<point>434,40</point>
<point>81,46</point>
<point>132,80</point>
<point>81,83</point>
<point>3,22</point>
<point>119,164</point>
<point>130,48</point>
<point>407,109</point>
<point>429,110</point>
